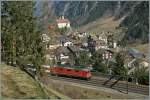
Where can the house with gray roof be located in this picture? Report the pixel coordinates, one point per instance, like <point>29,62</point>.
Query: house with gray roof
<point>65,41</point>
<point>135,53</point>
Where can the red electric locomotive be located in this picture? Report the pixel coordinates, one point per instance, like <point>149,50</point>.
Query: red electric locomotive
<point>71,71</point>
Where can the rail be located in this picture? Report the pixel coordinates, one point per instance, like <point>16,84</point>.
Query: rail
<point>102,80</point>
<point>121,86</point>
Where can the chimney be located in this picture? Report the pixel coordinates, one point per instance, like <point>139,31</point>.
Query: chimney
<point>62,17</point>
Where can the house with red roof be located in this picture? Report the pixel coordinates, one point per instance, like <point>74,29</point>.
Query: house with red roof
<point>51,26</point>
<point>62,22</point>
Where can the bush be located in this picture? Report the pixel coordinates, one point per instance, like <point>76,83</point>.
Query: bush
<point>100,67</point>
<point>144,79</point>
<point>96,61</point>
<point>142,75</point>
<point>83,58</point>
<point>118,68</point>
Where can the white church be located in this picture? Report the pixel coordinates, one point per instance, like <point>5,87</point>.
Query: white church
<point>62,22</point>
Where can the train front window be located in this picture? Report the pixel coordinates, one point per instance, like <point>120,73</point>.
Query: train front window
<point>68,70</point>
<point>61,69</point>
<point>76,71</point>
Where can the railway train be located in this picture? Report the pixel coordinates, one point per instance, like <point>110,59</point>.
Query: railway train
<point>76,71</point>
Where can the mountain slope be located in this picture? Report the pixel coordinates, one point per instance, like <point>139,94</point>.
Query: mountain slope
<point>135,14</point>
<point>137,23</point>
<point>132,15</point>
<point>82,12</point>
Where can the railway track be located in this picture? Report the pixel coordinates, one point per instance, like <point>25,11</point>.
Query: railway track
<point>120,86</point>
<point>99,81</point>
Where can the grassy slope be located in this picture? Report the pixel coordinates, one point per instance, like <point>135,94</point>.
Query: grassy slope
<point>102,24</point>
<point>17,84</point>
<point>141,47</point>
<point>108,24</point>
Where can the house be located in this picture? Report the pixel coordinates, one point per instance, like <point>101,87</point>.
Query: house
<point>62,22</point>
<point>51,26</point>
<point>144,64</point>
<point>110,41</point>
<point>53,46</point>
<point>45,38</point>
<point>82,34</point>
<point>102,37</point>
<point>114,44</point>
<point>135,53</point>
<point>100,44</point>
<point>85,44</point>
<point>79,34</point>
<point>106,54</point>
<point>68,43</point>
<point>65,41</point>
<point>101,41</point>
<point>50,56</point>
<point>64,58</point>
<point>64,55</point>
<point>134,56</point>
<point>133,59</point>
<point>78,45</point>
<point>91,41</point>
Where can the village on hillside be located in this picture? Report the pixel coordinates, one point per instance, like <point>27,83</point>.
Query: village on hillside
<point>74,49</point>
<point>81,41</point>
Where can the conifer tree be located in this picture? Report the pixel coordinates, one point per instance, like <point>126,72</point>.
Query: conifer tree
<point>97,62</point>
<point>119,68</point>
<point>21,42</point>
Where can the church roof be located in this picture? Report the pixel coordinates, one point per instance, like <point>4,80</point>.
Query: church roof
<point>63,21</point>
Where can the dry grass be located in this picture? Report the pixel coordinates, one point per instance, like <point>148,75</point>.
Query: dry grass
<point>83,92</point>
<point>102,24</point>
<point>105,24</point>
<point>17,84</point>
<point>141,47</point>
